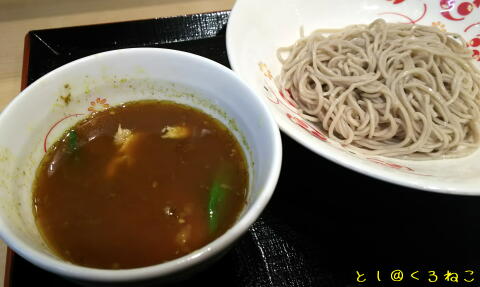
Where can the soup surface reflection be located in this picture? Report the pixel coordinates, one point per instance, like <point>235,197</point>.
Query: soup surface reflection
<point>139,184</point>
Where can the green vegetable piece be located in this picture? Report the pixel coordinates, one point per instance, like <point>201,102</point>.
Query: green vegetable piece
<point>217,196</point>
<point>72,141</point>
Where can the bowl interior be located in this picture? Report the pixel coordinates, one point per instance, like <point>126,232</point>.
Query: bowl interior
<point>43,111</point>
<point>252,54</point>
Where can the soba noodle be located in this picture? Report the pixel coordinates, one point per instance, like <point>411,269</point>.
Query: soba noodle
<point>397,90</point>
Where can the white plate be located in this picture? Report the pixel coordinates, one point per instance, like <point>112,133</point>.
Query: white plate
<point>257,28</point>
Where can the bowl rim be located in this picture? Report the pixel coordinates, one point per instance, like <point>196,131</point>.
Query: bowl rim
<point>306,140</point>
<point>177,265</point>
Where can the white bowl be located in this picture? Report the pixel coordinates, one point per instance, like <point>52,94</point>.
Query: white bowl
<point>38,116</point>
<point>256,29</point>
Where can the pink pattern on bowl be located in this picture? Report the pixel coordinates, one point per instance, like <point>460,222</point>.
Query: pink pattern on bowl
<point>98,105</point>
<point>45,139</point>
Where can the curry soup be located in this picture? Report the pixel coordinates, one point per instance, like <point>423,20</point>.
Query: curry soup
<point>139,184</point>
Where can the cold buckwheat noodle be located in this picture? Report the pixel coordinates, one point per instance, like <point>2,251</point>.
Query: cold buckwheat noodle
<point>397,90</point>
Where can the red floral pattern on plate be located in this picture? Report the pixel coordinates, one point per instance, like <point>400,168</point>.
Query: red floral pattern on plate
<point>457,10</point>
<point>281,98</point>
<point>410,20</point>
<point>389,164</point>
<point>474,44</point>
<point>308,127</point>
<point>439,25</point>
<point>395,166</point>
<point>452,10</point>
<point>396,1</point>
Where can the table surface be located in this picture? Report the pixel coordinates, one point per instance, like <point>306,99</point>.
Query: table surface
<point>312,233</point>
<point>17,17</point>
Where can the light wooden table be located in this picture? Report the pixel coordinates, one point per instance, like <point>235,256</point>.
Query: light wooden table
<point>17,17</point>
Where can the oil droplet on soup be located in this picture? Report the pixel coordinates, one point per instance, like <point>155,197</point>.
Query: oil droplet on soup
<point>139,184</point>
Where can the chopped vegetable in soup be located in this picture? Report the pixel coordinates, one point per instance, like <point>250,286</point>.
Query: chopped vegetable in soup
<point>139,184</point>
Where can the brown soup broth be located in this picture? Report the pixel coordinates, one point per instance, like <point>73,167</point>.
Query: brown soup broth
<point>139,184</point>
